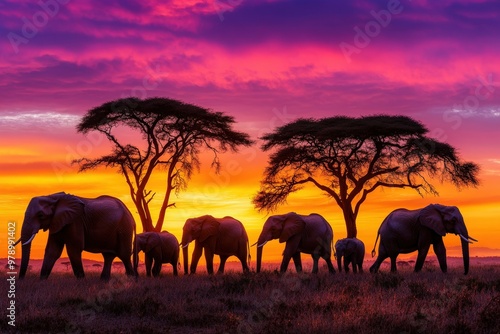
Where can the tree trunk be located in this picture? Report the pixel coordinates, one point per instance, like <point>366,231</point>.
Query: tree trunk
<point>350,222</point>
<point>166,199</point>
<point>147,224</point>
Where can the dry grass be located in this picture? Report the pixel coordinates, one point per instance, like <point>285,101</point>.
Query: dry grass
<point>428,302</point>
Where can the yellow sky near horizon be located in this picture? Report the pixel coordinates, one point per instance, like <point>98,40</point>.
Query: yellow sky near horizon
<point>231,191</point>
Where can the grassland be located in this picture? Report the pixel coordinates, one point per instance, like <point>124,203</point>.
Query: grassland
<point>427,302</point>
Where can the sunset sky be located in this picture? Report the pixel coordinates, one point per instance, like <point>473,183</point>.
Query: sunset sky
<point>265,62</point>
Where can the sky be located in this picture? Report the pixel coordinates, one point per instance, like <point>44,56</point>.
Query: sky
<point>264,62</point>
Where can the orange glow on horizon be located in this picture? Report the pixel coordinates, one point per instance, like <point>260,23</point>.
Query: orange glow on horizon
<point>231,192</point>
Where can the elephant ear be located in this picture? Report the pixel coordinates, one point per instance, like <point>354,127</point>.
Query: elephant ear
<point>210,226</point>
<point>292,225</point>
<point>430,217</point>
<point>152,241</point>
<point>449,213</point>
<point>68,210</point>
<point>45,205</point>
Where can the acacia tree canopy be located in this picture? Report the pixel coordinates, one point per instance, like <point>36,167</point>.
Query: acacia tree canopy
<point>348,158</point>
<point>173,134</point>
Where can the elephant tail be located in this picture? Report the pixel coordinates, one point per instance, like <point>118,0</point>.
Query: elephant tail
<point>374,246</point>
<point>333,249</point>
<point>135,255</point>
<point>248,253</point>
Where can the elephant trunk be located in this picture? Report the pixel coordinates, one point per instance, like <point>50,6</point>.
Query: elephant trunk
<point>464,238</point>
<point>25,259</point>
<point>28,232</point>
<point>339,262</point>
<point>259,257</point>
<point>185,258</point>
<point>465,254</point>
<point>263,239</point>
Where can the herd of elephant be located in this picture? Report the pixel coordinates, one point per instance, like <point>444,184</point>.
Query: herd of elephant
<point>105,225</point>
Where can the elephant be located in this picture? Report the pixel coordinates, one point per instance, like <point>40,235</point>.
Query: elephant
<point>307,234</point>
<point>99,225</point>
<point>406,231</point>
<point>216,236</point>
<point>159,248</point>
<point>353,251</point>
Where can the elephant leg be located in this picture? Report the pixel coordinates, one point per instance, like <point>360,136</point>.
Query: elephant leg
<point>174,267</point>
<point>209,258</point>
<point>244,264</point>
<point>329,263</point>
<point>292,250</point>
<point>129,269</point>
<point>382,255</point>
<point>223,259</point>
<point>347,261</point>
<point>297,261</point>
<point>148,261</point>
<point>440,251</point>
<point>315,257</point>
<point>422,254</point>
<point>394,268</point>
<point>284,263</point>
<point>354,262</point>
<point>53,251</point>
<point>106,269</point>
<point>156,268</point>
<point>198,250</point>
<point>286,260</point>
<point>75,257</point>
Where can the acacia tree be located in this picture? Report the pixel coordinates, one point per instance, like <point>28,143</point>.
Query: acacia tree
<point>173,134</point>
<point>348,158</point>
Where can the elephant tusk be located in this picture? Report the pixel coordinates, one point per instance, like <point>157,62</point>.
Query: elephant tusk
<point>184,246</point>
<point>262,244</point>
<point>465,239</point>
<point>253,244</point>
<point>18,241</point>
<point>471,238</point>
<point>27,242</point>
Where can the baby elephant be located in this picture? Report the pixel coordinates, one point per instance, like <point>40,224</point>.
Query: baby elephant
<point>159,248</point>
<point>353,251</point>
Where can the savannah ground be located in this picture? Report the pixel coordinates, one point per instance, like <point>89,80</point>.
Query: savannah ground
<point>427,302</point>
